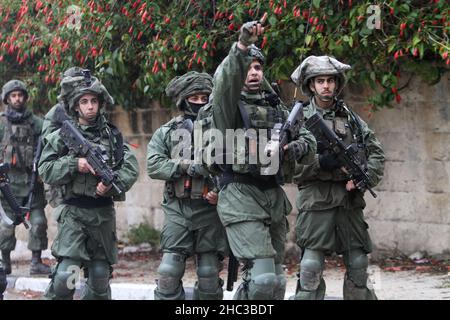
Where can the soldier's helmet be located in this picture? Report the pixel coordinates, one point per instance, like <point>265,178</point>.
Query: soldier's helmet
<point>13,85</point>
<point>256,53</point>
<point>75,84</point>
<point>181,87</point>
<point>314,66</point>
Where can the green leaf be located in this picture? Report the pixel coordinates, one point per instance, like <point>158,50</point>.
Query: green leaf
<point>187,39</point>
<point>308,39</point>
<point>316,4</point>
<point>415,40</point>
<point>272,20</point>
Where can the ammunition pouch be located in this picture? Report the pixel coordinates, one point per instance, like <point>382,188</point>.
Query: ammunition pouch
<point>187,187</point>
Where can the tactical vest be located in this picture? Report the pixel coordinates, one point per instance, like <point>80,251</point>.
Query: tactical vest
<point>347,126</point>
<point>256,114</point>
<point>110,140</point>
<point>18,143</point>
<point>186,186</point>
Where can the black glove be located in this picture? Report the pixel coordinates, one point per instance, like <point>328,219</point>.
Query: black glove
<point>296,150</point>
<point>329,162</point>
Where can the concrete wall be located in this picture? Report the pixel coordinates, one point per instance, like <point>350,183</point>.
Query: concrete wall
<point>412,211</point>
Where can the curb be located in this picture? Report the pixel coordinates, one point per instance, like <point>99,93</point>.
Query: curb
<point>119,290</point>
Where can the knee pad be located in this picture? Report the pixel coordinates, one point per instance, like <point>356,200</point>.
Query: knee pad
<point>65,278</point>
<point>170,271</point>
<point>357,263</point>
<point>99,274</point>
<point>311,268</point>
<point>263,286</point>
<point>263,280</point>
<point>63,284</point>
<point>208,272</point>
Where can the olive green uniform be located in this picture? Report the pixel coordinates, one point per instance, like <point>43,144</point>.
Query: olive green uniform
<point>191,225</point>
<point>86,223</point>
<point>330,218</point>
<point>253,208</point>
<point>24,135</point>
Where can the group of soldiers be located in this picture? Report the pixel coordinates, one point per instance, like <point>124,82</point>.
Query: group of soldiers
<point>211,211</point>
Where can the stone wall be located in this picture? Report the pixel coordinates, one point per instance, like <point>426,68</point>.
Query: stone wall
<point>412,211</point>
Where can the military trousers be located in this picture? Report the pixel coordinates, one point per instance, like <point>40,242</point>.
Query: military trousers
<point>337,230</point>
<point>255,220</point>
<point>38,232</point>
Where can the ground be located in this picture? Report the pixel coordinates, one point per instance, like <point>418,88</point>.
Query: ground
<point>396,278</point>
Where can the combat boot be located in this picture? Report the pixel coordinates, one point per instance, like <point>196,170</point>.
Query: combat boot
<point>36,266</point>
<point>6,258</point>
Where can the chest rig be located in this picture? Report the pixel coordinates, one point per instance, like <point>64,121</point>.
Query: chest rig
<point>18,143</point>
<point>185,186</point>
<point>348,127</point>
<point>110,141</point>
<point>260,114</point>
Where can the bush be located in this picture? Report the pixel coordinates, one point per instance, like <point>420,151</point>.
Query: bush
<point>137,46</point>
<point>143,233</point>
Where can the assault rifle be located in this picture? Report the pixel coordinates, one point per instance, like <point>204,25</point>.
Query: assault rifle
<point>5,188</point>
<point>284,133</point>
<point>347,154</point>
<point>95,155</point>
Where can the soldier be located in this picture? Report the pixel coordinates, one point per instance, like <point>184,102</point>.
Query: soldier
<point>86,219</point>
<point>253,207</point>
<point>70,77</point>
<point>191,225</point>
<point>330,208</point>
<point>19,133</point>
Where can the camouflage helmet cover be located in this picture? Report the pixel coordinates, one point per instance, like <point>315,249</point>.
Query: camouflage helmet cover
<point>75,86</point>
<point>181,87</point>
<point>256,53</point>
<point>314,66</point>
<point>13,85</point>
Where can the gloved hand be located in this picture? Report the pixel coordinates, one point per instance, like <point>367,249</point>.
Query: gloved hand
<point>329,162</point>
<point>295,150</point>
<point>250,31</point>
<point>197,170</point>
<point>246,35</point>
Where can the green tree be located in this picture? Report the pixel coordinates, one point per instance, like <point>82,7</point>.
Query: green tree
<point>136,46</point>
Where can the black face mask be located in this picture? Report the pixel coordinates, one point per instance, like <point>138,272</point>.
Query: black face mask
<point>195,107</point>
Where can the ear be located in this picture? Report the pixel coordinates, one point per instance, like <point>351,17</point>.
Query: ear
<point>311,85</point>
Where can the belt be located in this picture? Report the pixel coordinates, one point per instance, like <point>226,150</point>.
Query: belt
<point>260,183</point>
<point>86,202</point>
